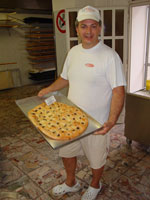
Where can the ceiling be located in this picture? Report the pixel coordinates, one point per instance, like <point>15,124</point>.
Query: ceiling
<point>26,5</point>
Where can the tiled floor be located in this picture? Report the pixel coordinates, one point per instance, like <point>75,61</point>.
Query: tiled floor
<point>29,167</point>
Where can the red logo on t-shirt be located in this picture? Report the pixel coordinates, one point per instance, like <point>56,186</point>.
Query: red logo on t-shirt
<point>89,65</point>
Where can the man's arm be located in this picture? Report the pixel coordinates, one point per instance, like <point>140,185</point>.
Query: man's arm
<point>117,103</point>
<point>59,84</point>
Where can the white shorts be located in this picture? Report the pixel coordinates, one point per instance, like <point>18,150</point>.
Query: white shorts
<point>94,147</point>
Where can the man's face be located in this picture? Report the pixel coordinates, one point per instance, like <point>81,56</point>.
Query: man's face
<point>88,30</point>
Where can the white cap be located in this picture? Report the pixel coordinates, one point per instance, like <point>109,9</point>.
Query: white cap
<point>88,12</point>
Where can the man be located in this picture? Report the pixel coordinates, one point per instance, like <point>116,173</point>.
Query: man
<point>96,82</point>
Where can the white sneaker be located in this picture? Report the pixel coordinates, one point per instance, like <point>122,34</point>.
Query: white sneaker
<point>62,189</point>
<point>91,193</point>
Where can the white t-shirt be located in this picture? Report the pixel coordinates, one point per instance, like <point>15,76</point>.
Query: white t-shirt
<point>92,74</point>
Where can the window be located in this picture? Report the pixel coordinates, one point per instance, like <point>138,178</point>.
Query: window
<point>139,54</point>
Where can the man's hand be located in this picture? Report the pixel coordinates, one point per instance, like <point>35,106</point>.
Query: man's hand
<point>59,84</point>
<point>105,128</point>
<point>43,92</point>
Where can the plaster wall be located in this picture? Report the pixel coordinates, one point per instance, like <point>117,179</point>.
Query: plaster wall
<point>13,46</point>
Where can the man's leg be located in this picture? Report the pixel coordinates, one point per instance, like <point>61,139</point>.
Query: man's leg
<point>97,173</point>
<point>94,188</point>
<point>70,167</point>
<point>70,185</point>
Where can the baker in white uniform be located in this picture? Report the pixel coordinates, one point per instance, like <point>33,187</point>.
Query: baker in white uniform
<point>96,82</point>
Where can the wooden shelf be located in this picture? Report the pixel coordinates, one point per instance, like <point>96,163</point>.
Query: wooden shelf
<point>40,48</point>
<point>41,53</point>
<point>39,44</point>
<point>47,57</point>
<point>39,35</point>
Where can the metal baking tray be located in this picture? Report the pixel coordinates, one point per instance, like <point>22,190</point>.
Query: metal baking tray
<point>28,103</point>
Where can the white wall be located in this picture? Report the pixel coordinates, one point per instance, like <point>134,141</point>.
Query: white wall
<point>12,48</point>
<point>60,4</point>
<point>60,41</point>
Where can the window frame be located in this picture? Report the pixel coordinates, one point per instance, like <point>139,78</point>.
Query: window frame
<point>147,50</point>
